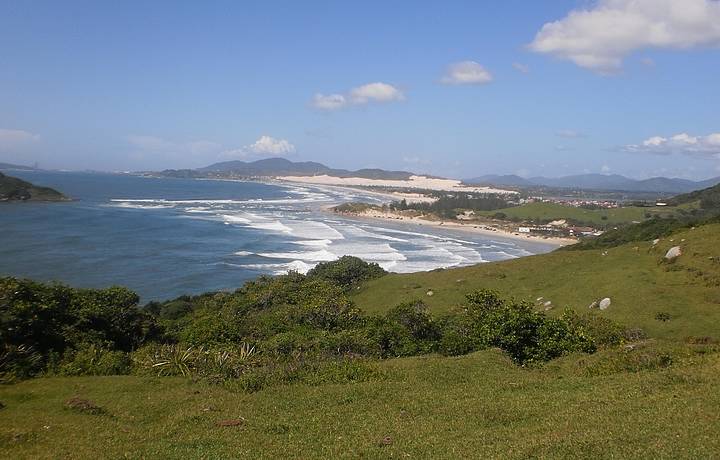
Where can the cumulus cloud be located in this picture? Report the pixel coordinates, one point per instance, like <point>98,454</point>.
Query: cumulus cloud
<point>521,67</point>
<point>361,95</point>
<point>16,137</point>
<point>683,143</point>
<point>600,37</point>
<point>329,102</point>
<point>267,145</point>
<point>466,73</point>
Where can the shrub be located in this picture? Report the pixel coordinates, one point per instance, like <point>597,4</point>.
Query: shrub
<point>18,362</point>
<point>347,271</point>
<point>94,360</point>
<point>526,335</point>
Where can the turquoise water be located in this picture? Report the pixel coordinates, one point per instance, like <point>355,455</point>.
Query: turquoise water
<point>168,237</point>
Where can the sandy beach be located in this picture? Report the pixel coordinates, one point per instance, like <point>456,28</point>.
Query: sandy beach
<point>414,182</point>
<point>465,227</point>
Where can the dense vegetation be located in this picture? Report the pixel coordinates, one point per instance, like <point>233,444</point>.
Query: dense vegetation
<point>314,348</point>
<point>14,189</point>
<point>448,205</point>
<point>273,329</point>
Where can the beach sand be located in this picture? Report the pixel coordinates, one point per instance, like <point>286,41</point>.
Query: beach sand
<point>465,227</point>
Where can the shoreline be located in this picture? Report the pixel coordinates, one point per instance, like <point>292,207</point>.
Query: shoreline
<point>480,229</point>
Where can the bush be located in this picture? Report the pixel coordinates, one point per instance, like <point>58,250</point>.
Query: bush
<point>94,360</point>
<point>18,362</point>
<point>347,271</point>
<point>526,335</point>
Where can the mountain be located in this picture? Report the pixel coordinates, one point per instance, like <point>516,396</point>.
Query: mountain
<point>17,167</point>
<point>14,189</point>
<point>608,182</point>
<point>272,167</point>
<point>506,180</point>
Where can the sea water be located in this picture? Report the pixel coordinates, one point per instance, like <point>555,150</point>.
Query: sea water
<point>164,237</point>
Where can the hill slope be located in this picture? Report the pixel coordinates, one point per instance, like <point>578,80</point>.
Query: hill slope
<point>605,182</point>
<point>639,285</point>
<point>271,167</point>
<point>14,189</point>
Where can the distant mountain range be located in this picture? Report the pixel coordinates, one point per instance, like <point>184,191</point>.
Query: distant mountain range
<point>606,182</point>
<point>272,167</point>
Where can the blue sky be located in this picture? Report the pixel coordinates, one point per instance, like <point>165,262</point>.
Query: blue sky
<point>451,88</point>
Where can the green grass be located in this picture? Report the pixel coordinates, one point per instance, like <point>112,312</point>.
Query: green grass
<point>480,405</point>
<point>653,399</point>
<point>553,211</point>
<point>639,285</point>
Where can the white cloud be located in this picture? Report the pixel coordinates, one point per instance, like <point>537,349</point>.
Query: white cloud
<point>605,169</point>
<point>15,137</point>
<point>521,67</point>
<point>329,102</point>
<point>682,143</point>
<point>375,92</point>
<point>361,95</point>
<point>466,73</point>
<point>267,145</point>
<point>600,37</point>
<point>568,133</point>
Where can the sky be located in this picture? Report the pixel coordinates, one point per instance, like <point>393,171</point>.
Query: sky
<point>452,88</point>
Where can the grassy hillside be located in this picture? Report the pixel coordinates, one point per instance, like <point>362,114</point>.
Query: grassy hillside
<point>653,397</point>
<point>14,189</point>
<point>480,405</point>
<point>632,275</point>
<point>545,212</point>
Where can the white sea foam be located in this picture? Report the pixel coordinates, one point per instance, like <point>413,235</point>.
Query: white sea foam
<point>244,253</point>
<point>320,243</point>
<point>281,269</point>
<point>322,255</point>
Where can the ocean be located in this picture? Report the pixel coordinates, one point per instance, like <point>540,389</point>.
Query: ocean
<point>167,237</point>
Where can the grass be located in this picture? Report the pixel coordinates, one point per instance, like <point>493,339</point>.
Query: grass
<point>601,217</point>
<point>656,398</point>
<point>633,276</point>
<point>480,405</point>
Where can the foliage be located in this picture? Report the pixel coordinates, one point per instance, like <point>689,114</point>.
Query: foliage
<point>94,360</point>
<point>347,271</point>
<point>52,319</point>
<point>526,335</point>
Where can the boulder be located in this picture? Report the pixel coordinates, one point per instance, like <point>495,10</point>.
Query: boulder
<point>430,293</point>
<point>605,303</point>
<point>673,252</point>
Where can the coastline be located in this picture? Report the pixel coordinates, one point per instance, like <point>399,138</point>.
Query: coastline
<point>465,227</point>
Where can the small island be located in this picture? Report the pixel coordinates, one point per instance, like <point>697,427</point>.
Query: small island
<point>14,189</point>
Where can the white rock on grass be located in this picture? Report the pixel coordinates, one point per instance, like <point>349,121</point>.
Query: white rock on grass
<point>673,252</point>
<point>605,303</point>
<point>430,293</point>
<point>593,305</point>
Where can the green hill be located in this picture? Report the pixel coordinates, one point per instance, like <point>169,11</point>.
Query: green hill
<point>652,395</point>
<point>14,189</point>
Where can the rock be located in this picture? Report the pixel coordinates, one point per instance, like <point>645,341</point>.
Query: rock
<point>673,252</point>
<point>547,304</point>
<point>430,293</point>
<point>656,241</point>
<point>605,303</point>
<point>593,305</point>
<point>539,299</point>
